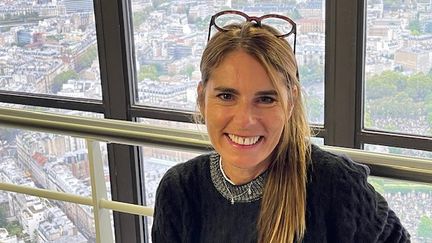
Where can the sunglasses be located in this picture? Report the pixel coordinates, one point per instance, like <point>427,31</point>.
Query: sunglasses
<point>283,24</point>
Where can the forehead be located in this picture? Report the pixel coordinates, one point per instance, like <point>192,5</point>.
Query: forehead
<point>239,68</point>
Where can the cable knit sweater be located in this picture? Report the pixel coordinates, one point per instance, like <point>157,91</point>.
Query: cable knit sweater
<point>193,205</point>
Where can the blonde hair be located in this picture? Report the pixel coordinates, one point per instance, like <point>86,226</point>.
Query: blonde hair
<point>282,214</point>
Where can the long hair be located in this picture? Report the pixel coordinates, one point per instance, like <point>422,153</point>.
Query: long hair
<point>282,213</point>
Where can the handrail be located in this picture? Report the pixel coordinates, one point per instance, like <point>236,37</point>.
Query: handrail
<point>104,130</point>
<point>72,198</point>
<point>124,132</point>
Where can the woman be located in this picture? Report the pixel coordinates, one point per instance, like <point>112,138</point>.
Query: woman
<point>264,182</point>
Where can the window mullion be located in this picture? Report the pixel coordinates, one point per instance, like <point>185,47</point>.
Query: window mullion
<point>341,73</point>
<point>115,79</point>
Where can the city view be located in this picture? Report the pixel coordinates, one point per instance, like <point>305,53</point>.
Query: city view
<point>50,47</point>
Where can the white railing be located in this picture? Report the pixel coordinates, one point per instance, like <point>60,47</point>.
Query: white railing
<point>114,131</point>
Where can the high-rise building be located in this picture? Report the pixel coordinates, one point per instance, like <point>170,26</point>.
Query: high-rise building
<point>24,37</point>
<point>73,6</point>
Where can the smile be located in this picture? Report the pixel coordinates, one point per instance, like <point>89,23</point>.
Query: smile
<point>244,140</point>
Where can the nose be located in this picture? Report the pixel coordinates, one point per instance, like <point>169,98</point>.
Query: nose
<point>245,115</point>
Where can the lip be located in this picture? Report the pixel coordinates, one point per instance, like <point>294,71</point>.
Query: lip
<point>241,146</point>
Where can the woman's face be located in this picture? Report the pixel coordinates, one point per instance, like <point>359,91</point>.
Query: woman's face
<point>243,113</point>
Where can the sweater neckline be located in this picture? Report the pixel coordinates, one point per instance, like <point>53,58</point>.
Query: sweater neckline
<point>249,192</point>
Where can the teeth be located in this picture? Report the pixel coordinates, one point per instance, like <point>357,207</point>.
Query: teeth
<point>243,140</point>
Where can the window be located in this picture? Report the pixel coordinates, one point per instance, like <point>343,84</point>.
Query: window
<point>47,161</point>
<point>398,67</point>
<point>49,47</point>
<point>156,162</point>
<point>416,214</point>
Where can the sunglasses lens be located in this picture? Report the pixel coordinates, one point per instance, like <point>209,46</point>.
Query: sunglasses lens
<point>224,20</point>
<point>283,26</point>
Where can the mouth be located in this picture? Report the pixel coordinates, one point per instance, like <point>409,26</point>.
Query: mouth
<point>244,141</point>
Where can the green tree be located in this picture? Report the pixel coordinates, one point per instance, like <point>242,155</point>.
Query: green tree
<point>3,219</point>
<point>148,71</point>
<point>415,27</point>
<point>368,123</point>
<point>61,78</point>
<point>311,74</point>
<point>293,13</point>
<point>397,106</point>
<point>428,108</point>
<point>388,83</point>
<point>14,228</point>
<point>425,227</point>
<point>314,108</point>
<point>139,17</point>
<point>419,86</point>
<point>188,70</point>
<point>86,59</point>
<point>202,23</point>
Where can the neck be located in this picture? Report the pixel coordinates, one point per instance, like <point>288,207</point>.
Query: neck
<point>241,176</point>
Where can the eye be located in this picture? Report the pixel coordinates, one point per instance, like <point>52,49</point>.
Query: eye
<point>266,100</point>
<point>225,96</point>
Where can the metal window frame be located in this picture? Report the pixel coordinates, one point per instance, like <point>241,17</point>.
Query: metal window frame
<point>113,27</point>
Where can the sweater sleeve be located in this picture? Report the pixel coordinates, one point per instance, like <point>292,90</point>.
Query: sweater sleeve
<point>360,214</point>
<point>166,226</point>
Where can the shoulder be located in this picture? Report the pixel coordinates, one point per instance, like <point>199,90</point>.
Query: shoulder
<point>332,166</point>
<point>361,214</point>
<point>338,178</point>
<point>183,173</point>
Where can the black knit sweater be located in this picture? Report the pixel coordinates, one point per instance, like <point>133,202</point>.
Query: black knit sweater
<point>341,206</point>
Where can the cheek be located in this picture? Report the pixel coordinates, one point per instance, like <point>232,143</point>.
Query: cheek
<point>215,119</point>
<point>277,122</point>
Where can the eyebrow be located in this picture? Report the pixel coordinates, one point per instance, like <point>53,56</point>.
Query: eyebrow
<point>234,91</point>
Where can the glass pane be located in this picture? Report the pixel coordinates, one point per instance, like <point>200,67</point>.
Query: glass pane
<point>412,202</point>
<point>49,47</point>
<point>32,219</point>
<point>398,151</point>
<point>54,162</point>
<point>169,38</point>
<point>398,69</point>
<point>156,162</point>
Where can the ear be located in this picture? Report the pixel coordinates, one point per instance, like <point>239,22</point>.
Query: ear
<point>201,98</point>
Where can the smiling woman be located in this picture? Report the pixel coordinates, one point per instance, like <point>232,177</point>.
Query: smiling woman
<point>265,181</point>
<point>244,115</point>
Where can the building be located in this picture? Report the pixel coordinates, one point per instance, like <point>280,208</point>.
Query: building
<point>73,6</point>
<point>24,37</point>
<point>414,60</point>
<point>6,238</point>
<point>308,25</point>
